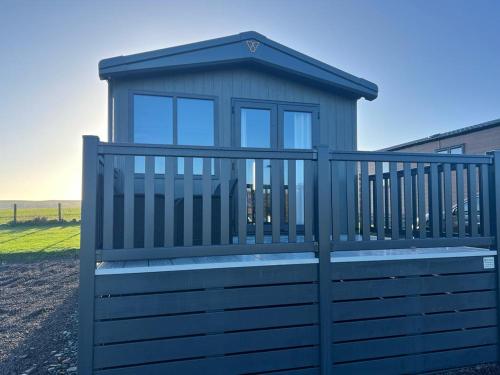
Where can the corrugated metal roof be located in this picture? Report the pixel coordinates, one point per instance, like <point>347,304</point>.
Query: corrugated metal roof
<point>248,47</point>
<point>452,133</point>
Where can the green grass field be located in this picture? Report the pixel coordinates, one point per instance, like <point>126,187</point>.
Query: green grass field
<point>27,214</point>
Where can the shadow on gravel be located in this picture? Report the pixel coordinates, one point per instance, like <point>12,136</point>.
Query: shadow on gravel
<point>37,256</point>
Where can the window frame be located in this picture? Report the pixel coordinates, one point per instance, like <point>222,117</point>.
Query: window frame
<point>175,96</point>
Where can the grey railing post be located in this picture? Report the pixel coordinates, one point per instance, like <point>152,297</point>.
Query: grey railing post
<point>87,255</point>
<point>494,190</point>
<point>325,280</point>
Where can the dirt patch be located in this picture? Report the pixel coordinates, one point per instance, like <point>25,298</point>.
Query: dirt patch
<point>38,317</point>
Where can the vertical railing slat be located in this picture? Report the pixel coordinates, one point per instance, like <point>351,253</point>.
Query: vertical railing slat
<point>259,201</point>
<point>351,204</point>
<point>108,210</point>
<point>128,198</point>
<point>447,200</point>
<point>308,200</point>
<point>379,196</point>
<point>459,174</point>
<point>242,201</point>
<point>335,200</point>
<point>207,202</point>
<point>225,168</point>
<point>292,201</point>
<point>434,200</point>
<point>422,220</point>
<point>275,199</point>
<point>408,204</point>
<point>394,196</point>
<point>188,201</point>
<point>485,201</point>
<point>149,202</point>
<point>365,201</point>
<point>169,200</point>
<point>472,199</point>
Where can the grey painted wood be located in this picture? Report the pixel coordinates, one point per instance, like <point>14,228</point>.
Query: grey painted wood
<point>459,173</point>
<point>394,197</point>
<point>415,324</point>
<point>434,200</point>
<point>259,202</point>
<point>350,190</point>
<point>365,201</point>
<point>241,363</point>
<point>215,299</point>
<point>276,168</point>
<point>87,255</point>
<point>484,200</point>
<point>447,200</point>
<point>379,214</point>
<point>200,346</point>
<point>149,202</point>
<point>111,331</point>
<point>335,200</point>
<point>292,201</point>
<point>421,362</point>
<point>207,202</point>
<point>242,201</point>
<point>188,202</point>
<point>472,198</point>
<point>408,202</point>
<point>169,201</point>
<point>421,201</point>
<point>108,202</point>
<point>308,200</point>
<point>412,157</point>
<point>128,198</point>
<point>224,201</point>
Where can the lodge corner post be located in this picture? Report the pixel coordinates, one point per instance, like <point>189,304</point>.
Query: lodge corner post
<point>87,255</point>
<point>494,179</point>
<point>324,275</point>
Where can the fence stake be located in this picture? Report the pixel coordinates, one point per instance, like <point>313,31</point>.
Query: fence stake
<point>87,255</point>
<point>59,213</point>
<point>495,222</point>
<point>15,213</point>
<point>324,226</point>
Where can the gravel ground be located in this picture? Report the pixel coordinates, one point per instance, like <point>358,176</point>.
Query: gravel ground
<point>39,323</point>
<point>38,317</point>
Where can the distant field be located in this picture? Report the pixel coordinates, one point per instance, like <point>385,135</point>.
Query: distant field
<point>69,213</point>
<point>34,242</point>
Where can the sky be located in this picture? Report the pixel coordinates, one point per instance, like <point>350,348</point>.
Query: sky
<point>437,65</point>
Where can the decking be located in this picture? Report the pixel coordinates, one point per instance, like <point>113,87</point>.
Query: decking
<point>385,272</point>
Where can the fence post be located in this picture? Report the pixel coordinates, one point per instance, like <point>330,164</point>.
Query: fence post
<point>59,214</point>
<point>87,255</point>
<point>15,213</point>
<point>494,190</point>
<point>324,277</point>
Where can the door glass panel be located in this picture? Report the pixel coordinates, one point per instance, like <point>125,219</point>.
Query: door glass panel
<point>297,129</point>
<point>255,127</point>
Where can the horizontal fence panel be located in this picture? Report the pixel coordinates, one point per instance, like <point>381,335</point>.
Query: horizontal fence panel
<point>416,324</point>
<point>201,346</point>
<point>259,362</point>
<point>421,362</point>
<point>378,308</point>
<point>156,282</point>
<point>393,346</point>
<point>214,299</point>
<point>360,289</point>
<point>412,157</point>
<point>201,323</point>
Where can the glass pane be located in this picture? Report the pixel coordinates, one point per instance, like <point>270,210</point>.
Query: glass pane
<point>153,123</point>
<point>195,122</point>
<point>297,129</point>
<point>255,127</point>
<point>456,150</point>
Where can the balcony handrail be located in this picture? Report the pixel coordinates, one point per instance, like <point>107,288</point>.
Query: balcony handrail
<point>129,149</point>
<point>411,157</point>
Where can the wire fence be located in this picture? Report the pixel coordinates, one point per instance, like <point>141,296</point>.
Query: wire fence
<point>57,213</point>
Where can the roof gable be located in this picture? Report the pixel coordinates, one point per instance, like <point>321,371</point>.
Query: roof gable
<point>248,47</point>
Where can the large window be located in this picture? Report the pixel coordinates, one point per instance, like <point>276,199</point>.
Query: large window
<point>154,122</point>
<point>457,150</point>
